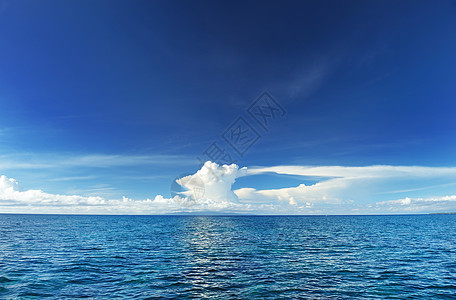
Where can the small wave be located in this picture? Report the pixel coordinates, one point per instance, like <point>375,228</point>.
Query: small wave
<point>5,279</point>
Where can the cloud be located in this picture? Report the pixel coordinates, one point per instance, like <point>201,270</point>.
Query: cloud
<point>11,193</point>
<point>14,198</point>
<point>53,161</point>
<point>309,79</point>
<point>419,205</point>
<point>73,178</point>
<point>352,189</point>
<point>326,191</point>
<point>340,190</point>
<point>213,182</point>
<point>357,172</point>
<point>216,180</point>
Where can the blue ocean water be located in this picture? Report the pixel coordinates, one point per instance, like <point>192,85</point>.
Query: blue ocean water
<point>246,257</point>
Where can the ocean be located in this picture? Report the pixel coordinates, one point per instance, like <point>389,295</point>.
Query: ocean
<point>228,257</point>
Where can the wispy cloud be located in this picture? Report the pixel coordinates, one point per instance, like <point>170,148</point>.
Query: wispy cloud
<point>73,178</point>
<point>376,171</point>
<point>421,188</point>
<point>310,79</point>
<point>50,160</point>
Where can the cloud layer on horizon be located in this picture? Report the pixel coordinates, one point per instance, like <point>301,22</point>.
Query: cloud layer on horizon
<point>343,190</point>
<point>218,197</point>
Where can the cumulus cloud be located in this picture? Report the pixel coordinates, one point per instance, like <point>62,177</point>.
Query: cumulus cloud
<point>14,198</point>
<point>213,182</point>
<point>326,192</point>
<point>11,192</point>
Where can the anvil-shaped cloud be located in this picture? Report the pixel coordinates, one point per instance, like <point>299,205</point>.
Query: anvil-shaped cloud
<point>213,182</point>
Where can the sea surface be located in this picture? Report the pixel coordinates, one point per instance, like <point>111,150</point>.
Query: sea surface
<point>228,257</point>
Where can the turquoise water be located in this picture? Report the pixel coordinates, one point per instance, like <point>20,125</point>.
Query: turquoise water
<point>247,257</point>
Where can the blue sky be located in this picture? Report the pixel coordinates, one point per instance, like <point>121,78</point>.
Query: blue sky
<point>117,98</point>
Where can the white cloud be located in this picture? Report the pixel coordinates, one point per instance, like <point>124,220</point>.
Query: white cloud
<point>346,184</point>
<point>217,181</point>
<point>73,178</point>
<point>12,193</point>
<point>213,182</point>
<point>357,172</point>
<point>419,205</point>
<point>14,198</point>
<point>327,192</point>
<point>53,161</point>
<point>342,190</point>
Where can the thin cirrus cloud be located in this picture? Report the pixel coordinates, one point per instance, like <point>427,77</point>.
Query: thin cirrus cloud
<point>49,160</point>
<point>347,190</point>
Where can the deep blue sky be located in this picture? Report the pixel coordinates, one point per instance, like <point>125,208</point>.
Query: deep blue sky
<point>363,83</point>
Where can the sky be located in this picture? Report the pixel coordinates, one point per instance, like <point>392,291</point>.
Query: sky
<point>300,107</point>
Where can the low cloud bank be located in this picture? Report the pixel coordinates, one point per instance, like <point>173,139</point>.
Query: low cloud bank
<point>417,205</point>
<point>343,190</point>
<point>217,196</point>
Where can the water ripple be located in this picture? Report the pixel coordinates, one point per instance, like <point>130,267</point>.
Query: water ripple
<point>143,257</point>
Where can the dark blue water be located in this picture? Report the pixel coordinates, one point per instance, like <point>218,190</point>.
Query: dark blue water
<point>335,257</point>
